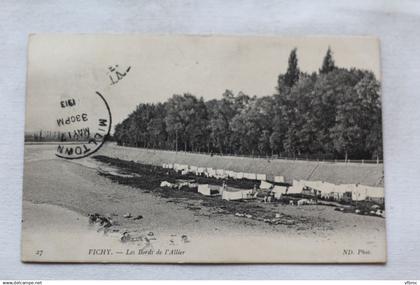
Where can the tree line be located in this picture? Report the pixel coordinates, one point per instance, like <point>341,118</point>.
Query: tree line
<point>55,136</point>
<point>334,113</point>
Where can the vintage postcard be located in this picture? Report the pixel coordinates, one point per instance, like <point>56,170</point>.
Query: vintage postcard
<point>203,149</point>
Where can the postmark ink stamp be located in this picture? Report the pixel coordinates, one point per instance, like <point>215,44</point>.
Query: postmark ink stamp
<point>84,126</point>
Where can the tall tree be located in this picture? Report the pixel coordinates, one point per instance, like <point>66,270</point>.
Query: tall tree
<point>186,121</point>
<point>221,113</point>
<point>292,73</point>
<point>356,132</point>
<point>328,63</point>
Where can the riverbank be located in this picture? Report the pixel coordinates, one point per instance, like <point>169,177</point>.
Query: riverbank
<point>210,236</point>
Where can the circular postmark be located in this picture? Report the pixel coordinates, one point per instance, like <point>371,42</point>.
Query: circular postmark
<point>84,124</point>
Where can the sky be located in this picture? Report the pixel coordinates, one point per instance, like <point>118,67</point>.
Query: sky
<point>76,66</point>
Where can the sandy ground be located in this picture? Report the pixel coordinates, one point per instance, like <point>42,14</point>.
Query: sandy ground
<point>59,194</point>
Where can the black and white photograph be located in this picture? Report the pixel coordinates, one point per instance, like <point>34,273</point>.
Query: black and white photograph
<point>203,149</point>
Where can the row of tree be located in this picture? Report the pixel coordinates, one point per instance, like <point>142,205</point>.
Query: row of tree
<point>333,113</point>
<point>50,136</point>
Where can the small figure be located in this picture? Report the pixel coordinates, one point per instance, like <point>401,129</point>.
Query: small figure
<point>184,239</point>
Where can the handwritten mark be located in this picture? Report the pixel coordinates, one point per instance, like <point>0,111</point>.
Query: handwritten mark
<point>115,75</point>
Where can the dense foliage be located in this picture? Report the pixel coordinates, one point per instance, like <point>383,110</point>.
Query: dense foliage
<point>335,113</point>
